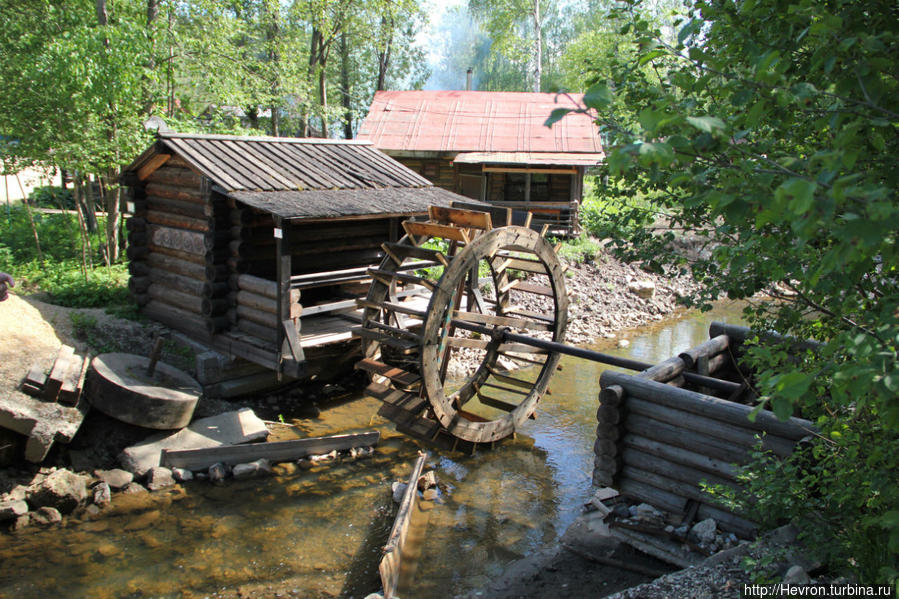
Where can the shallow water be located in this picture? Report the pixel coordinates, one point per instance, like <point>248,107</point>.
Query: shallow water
<point>318,533</point>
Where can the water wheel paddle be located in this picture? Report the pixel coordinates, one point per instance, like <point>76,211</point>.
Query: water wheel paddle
<point>163,398</point>
<point>507,278</point>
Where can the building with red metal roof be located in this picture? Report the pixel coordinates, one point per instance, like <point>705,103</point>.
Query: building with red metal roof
<point>492,146</point>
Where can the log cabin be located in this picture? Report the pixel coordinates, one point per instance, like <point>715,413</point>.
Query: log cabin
<point>258,247</point>
<point>492,147</point>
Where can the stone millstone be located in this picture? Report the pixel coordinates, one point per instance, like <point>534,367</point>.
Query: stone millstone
<point>121,388</point>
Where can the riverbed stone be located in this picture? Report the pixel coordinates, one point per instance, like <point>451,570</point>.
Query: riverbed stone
<point>230,428</point>
<point>10,510</point>
<point>134,488</point>
<point>115,478</point>
<point>646,514</point>
<point>704,531</point>
<point>182,474</point>
<point>102,494</point>
<point>21,523</point>
<point>159,478</point>
<point>644,288</point>
<point>251,469</point>
<point>62,489</point>
<point>797,575</point>
<point>398,490</point>
<point>46,516</point>
<point>217,472</point>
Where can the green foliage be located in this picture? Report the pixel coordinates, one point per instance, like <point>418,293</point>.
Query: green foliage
<point>579,249</point>
<point>49,196</point>
<point>768,129</point>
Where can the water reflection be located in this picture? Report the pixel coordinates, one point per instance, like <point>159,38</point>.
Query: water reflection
<point>319,533</point>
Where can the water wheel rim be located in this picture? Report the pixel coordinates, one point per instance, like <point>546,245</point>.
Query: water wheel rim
<point>487,244</point>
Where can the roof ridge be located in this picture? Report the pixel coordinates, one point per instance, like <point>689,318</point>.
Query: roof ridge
<point>260,138</point>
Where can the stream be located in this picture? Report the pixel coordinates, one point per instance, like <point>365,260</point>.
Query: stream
<point>318,533</point>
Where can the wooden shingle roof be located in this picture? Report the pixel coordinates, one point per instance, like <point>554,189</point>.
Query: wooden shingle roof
<point>298,178</point>
<point>285,164</point>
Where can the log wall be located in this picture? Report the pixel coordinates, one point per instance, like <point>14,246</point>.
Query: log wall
<point>179,274</point>
<point>657,441</point>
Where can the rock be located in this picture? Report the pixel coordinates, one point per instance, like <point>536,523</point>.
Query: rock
<point>305,463</point>
<point>230,428</point>
<point>797,575</point>
<point>647,514</point>
<point>21,523</point>
<point>159,478</point>
<point>92,510</point>
<point>63,490</point>
<point>399,489</point>
<point>217,472</point>
<point>102,494</point>
<point>623,343</point>
<point>704,531</point>
<point>134,488</point>
<point>374,596</point>
<point>621,511</point>
<point>17,493</point>
<point>46,516</point>
<point>251,469</point>
<point>643,288</point>
<point>12,509</point>
<point>181,474</point>
<point>115,478</point>
<point>430,494</point>
<point>285,469</point>
<point>427,480</point>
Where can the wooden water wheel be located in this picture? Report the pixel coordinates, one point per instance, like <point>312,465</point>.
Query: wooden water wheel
<point>437,380</point>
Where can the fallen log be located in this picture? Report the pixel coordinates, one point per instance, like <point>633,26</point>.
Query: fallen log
<point>275,451</point>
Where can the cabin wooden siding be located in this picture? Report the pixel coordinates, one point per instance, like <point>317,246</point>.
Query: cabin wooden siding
<point>559,210</point>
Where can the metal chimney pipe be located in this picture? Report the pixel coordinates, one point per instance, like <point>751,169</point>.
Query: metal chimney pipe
<point>468,80</point>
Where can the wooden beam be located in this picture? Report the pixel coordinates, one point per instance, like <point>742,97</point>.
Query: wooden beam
<point>275,451</point>
<point>154,163</point>
<point>389,568</point>
<point>545,171</point>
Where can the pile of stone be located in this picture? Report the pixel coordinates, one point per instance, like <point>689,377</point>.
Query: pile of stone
<point>54,493</point>
<point>651,531</point>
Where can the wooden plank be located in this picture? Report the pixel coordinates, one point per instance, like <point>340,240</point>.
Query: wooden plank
<point>391,306</point>
<point>389,567</point>
<point>460,217</point>
<point>493,402</point>
<point>36,377</point>
<point>434,230</point>
<point>522,285</point>
<point>523,264</point>
<point>57,374</point>
<point>399,251</point>
<point>274,451</point>
<point>70,392</point>
<point>411,402</point>
<point>329,307</point>
<point>532,315</point>
<point>397,375</point>
<point>154,163</point>
<point>501,321</point>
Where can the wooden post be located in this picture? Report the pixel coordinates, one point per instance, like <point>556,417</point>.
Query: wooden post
<point>283,270</point>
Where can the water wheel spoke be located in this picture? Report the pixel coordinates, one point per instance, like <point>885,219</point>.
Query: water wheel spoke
<point>404,346</point>
<point>522,358</point>
<point>388,277</point>
<point>527,287</point>
<point>397,375</point>
<point>516,390</point>
<point>400,252</point>
<point>505,378</point>
<point>532,315</point>
<point>391,307</point>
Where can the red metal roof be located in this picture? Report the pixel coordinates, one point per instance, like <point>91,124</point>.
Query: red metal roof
<point>477,121</point>
<point>531,158</point>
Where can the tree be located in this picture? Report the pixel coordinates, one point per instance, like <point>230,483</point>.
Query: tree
<point>771,134</point>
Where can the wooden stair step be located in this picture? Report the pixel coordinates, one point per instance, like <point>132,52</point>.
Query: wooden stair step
<point>397,375</point>
<point>405,346</point>
<point>401,251</point>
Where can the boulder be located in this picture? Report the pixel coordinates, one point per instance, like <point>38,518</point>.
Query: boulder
<point>217,472</point>
<point>63,490</point>
<point>159,478</point>
<point>646,514</point>
<point>398,490</point>
<point>115,478</point>
<point>251,469</point>
<point>704,531</point>
<point>427,480</point>
<point>10,510</point>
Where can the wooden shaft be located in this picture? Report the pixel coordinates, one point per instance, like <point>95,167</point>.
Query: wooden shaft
<point>713,346</point>
<point>154,356</point>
